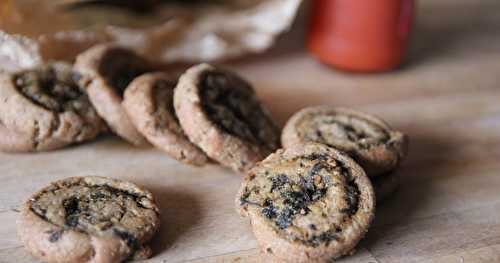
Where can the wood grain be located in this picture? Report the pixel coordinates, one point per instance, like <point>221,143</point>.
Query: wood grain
<point>447,98</point>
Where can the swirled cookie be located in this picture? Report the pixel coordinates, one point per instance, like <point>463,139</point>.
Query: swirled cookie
<point>45,108</point>
<point>89,219</point>
<point>369,140</point>
<point>220,112</point>
<point>307,203</point>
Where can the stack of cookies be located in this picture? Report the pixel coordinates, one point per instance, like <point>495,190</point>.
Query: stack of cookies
<point>314,200</point>
<point>206,114</point>
<point>311,201</point>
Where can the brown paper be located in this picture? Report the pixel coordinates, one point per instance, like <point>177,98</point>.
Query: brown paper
<point>40,30</point>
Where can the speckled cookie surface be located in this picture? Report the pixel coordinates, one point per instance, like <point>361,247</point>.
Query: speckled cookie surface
<point>220,113</point>
<point>107,71</point>
<point>45,108</point>
<point>89,219</point>
<point>369,140</point>
<point>308,203</point>
<point>149,103</point>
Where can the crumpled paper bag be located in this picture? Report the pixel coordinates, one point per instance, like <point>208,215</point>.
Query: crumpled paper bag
<point>33,31</point>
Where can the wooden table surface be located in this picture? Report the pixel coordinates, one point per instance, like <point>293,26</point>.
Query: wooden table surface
<point>447,98</point>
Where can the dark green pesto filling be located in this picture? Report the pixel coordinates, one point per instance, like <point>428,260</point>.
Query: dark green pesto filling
<point>121,67</point>
<point>102,206</point>
<point>87,209</point>
<point>124,77</point>
<point>129,238</point>
<point>55,90</point>
<point>357,135</point>
<point>324,238</point>
<point>297,202</point>
<point>55,235</point>
<point>352,198</point>
<point>231,104</point>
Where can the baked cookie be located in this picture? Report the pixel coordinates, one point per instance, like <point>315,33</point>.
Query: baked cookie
<point>107,70</point>
<point>367,139</point>
<point>89,219</point>
<point>149,102</point>
<point>45,108</point>
<point>307,203</point>
<point>219,112</point>
<point>14,141</point>
<point>385,185</point>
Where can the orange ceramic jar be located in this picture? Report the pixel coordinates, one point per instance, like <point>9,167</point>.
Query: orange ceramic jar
<point>361,35</point>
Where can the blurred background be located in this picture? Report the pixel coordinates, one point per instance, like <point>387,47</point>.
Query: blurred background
<point>444,94</point>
